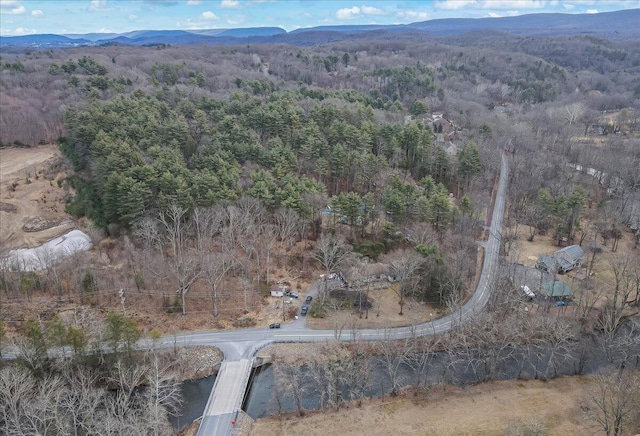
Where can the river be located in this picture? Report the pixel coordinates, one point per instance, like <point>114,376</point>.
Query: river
<point>452,368</point>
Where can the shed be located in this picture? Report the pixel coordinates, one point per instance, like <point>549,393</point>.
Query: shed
<point>557,290</point>
<point>278,290</point>
<point>596,247</point>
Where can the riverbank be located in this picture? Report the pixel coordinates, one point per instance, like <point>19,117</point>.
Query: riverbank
<point>483,409</point>
<point>197,362</point>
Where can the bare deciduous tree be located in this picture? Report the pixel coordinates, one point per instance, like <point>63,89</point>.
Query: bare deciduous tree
<point>393,353</point>
<point>287,222</point>
<point>614,399</point>
<point>214,267</point>
<point>404,267</point>
<point>333,254</point>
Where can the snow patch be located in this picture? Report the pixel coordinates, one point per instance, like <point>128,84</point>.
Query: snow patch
<point>42,257</point>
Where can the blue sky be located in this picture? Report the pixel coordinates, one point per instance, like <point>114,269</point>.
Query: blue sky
<point>20,17</point>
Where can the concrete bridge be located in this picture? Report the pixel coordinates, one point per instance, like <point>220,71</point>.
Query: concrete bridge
<point>239,347</point>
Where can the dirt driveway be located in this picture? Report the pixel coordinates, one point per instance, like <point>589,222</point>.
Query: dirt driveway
<point>31,202</point>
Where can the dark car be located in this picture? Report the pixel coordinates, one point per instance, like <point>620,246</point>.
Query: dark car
<point>275,325</point>
<point>308,299</point>
<point>304,310</point>
<point>290,294</point>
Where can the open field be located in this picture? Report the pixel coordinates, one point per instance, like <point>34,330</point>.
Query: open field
<point>486,409</point>
<point>384,313</point>
<point>31,202</point>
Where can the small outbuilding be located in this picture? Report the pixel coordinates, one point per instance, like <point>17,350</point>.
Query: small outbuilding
<point>278,290</point>
<point>557,290</point>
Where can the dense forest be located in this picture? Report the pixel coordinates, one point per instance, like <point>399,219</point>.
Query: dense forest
<point>406,131</point>
<point>201,170</point>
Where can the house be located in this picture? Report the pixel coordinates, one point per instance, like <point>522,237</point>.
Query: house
<point>371,273</point>
<point>569,258</point>
<point>562,261</point>
<point>556,290</point>
<point>451,149</point>
<point>546,263</point>
<point>278,290</point>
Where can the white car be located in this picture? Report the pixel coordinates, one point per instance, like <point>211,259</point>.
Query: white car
<point>527,291</point>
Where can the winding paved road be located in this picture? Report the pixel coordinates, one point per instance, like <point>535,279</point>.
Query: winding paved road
<point>243,344</point>
<point>236,344</point>
<point>239,347</point>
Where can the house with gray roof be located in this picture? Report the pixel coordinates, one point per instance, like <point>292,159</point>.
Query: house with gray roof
<point>569,258</point>
<point>562,261</point>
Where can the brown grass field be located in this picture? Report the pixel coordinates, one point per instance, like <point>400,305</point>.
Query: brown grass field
<point>486,409</point>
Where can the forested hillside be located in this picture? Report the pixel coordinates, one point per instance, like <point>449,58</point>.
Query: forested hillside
<point>392,143</point>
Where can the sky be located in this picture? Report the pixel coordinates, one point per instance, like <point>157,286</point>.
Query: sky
<point>22,17</point>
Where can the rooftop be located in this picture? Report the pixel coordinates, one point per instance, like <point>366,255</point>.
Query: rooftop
<point>556,289</point>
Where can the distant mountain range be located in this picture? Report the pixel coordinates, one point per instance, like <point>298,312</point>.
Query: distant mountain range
<point>618,25</point>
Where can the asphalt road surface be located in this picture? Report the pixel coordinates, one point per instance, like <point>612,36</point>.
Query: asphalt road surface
<point>244,343</point>
<point>240,346</point>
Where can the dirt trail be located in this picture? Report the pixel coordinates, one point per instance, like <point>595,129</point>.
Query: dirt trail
<point>31,202</point>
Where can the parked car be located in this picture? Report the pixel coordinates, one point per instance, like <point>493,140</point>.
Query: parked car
<point>561,303</point>
<point>304,310</point>
<point>275,325</point>
<point>290,294</point>
<point>308,299</point>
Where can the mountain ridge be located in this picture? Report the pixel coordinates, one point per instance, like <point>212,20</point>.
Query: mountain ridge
<point>617,25</point>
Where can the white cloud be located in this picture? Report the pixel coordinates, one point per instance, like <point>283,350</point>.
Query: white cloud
<point>208,15</point>
<point>370,10</point>
<point>11,7</point>
<point>591,11</point>
<point>99,5</point>
<point>306,15</point>
<point>455,4</point>
<point>568,6</point>
<point>133,17</point>
<point>237,19</point>
<point>24,31</point>
<point>503,14</point>
<point>229,4</point>
<point>37,13</point>
<point>355,11</point>
<point>514,4</point>
<point>190,24</point>
<point>347,13</point>
<point>194,2</point>
<point>104,30</point>
<point>413,15</point>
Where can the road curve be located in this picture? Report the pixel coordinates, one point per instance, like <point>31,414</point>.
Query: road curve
<point>241,345</point>
<point>240,340</point>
